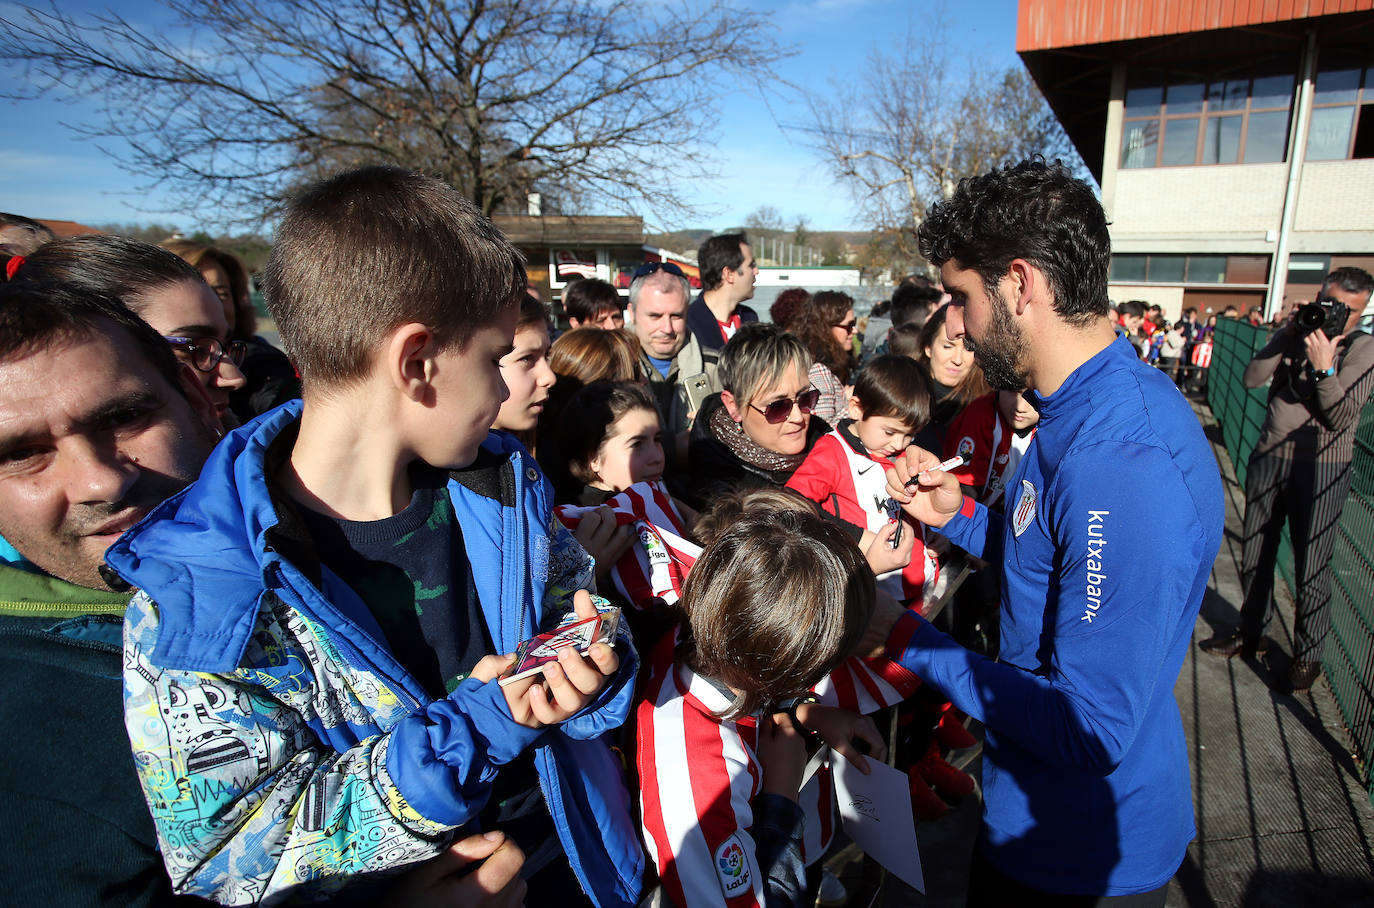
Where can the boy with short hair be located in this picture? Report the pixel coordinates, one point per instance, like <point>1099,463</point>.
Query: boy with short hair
<point>309,680</point>
<point>845,471</point>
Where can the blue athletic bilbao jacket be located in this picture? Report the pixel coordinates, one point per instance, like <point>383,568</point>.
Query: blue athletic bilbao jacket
<point>1113,520</point>
<point>282,748</point>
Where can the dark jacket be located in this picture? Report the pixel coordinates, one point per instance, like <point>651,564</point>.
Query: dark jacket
<point>704,327</point>
<point>74,829</point>
<point>715,468</point>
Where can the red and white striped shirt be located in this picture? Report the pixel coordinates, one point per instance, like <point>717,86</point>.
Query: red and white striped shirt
<point>698,776</point>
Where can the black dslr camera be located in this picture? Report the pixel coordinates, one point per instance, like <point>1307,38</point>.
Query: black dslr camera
<point>1327,314</point>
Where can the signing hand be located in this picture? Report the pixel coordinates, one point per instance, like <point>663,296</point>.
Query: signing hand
<point>936,496</point>
<point>565,687</point>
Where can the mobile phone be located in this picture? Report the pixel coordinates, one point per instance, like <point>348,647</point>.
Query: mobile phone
<point>698,389</point>
<point>533,654</point>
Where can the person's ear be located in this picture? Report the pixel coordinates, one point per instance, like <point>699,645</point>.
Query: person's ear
<point>408,360</point>
<point>856,412</point>
<point>573,323</point>
<point>732,406</point>
<point>198,396</point>
<point>1026,281</point>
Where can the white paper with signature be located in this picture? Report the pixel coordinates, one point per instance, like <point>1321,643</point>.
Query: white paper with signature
<point>875,810</point>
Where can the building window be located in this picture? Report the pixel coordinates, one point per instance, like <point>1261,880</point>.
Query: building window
<point>1342,111</point>
<point>1230,118</point>
<point>1163,268</point>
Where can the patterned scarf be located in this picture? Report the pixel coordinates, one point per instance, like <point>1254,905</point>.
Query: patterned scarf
<point>729,433</point>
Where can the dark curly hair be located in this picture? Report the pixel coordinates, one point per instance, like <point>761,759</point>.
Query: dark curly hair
<point>1034,211</point>
<point>812,325</point>
<point>787,306</point>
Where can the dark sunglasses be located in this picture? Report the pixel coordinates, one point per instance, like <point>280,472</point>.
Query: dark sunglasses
<point>651,267</point>
<point>207,352</point>
<point>779,410</point>
<point>849,327</point>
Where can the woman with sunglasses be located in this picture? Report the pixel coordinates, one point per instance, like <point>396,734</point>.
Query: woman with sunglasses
<point>825,325</point>
<point>758,430</point>
<point>164,290</point>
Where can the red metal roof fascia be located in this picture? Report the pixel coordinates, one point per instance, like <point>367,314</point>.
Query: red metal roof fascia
<point>1050,24</point>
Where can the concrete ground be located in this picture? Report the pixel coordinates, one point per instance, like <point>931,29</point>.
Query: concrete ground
<point>1282,816</point>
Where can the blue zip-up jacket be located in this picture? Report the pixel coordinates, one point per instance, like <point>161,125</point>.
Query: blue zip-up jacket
<point>284,751</point>
<point>1085,772</point>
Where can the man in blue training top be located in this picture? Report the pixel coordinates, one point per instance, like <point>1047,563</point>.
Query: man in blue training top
<point>1086,783</point>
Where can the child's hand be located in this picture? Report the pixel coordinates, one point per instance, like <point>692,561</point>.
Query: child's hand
<point>444,881</point>
<point>604,540</point>
<point>880,554</point>
<point>840,728</point>
<point>782,754</point>
<point>935,497</point>
<point>566,687</point>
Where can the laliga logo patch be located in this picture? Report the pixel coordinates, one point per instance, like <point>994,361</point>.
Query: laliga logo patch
<point>731,867</point>
<point>966,446</point>
<point>1025,509</point>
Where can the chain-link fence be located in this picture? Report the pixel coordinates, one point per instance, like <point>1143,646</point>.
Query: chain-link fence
<point>1349,656</point>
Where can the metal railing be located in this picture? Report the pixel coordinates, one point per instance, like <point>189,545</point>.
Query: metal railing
<point>1349,656</point>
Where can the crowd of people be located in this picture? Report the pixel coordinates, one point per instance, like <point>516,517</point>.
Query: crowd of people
<point>261,606</point>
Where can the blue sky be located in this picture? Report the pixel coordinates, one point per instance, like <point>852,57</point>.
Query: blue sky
<point>46,171</point>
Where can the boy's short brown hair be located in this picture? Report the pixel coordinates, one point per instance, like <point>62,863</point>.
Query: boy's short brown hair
<point>775,603</point>
<point>360,254</point>
<point>895,386</point>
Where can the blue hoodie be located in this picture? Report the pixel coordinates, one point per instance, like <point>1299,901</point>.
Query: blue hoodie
<point>283,749</point>
<point>1085,773</point>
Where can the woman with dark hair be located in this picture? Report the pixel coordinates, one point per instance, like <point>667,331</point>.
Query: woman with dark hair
<point>164,290</point>
<point>788,306</point>
<point>271,380</point>
<point>826,325</point>
<point>956,379</point>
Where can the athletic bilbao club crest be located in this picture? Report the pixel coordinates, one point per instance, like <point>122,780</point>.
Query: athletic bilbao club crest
<point>732,867</point>
<point>1025,508</point>
<point>966,447</point>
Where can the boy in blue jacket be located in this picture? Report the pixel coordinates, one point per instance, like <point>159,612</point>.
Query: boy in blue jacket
<point>310,662</point>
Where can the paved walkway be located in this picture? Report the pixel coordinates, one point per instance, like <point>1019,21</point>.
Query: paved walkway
<point>1282,817</point>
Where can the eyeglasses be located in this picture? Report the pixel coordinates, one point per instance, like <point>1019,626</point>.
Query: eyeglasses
<point>207,352</point>
<point>650,267</point>
<point>847,327</point>
<point>779,410</point>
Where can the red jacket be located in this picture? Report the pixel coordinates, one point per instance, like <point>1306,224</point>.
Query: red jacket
<point>984,438</point>
<point>849,483</point>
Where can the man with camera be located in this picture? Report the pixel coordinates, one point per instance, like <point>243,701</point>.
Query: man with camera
<point>1321,371</point>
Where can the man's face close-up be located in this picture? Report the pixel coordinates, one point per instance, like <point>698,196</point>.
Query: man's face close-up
<point>985,323</point>
<point>92,437</point>
<point>660,318</point>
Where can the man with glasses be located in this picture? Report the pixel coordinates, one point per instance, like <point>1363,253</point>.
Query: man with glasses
<point>681,374</point>
<point>728,272</point>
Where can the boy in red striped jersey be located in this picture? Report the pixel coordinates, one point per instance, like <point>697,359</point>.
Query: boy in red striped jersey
<point>773,604</point>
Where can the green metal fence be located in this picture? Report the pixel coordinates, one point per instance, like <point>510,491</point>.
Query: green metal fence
<point>1349,656</point>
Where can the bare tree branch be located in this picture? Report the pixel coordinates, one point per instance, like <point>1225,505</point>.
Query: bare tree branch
<point>233,104</point>
<point>914,126</point>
